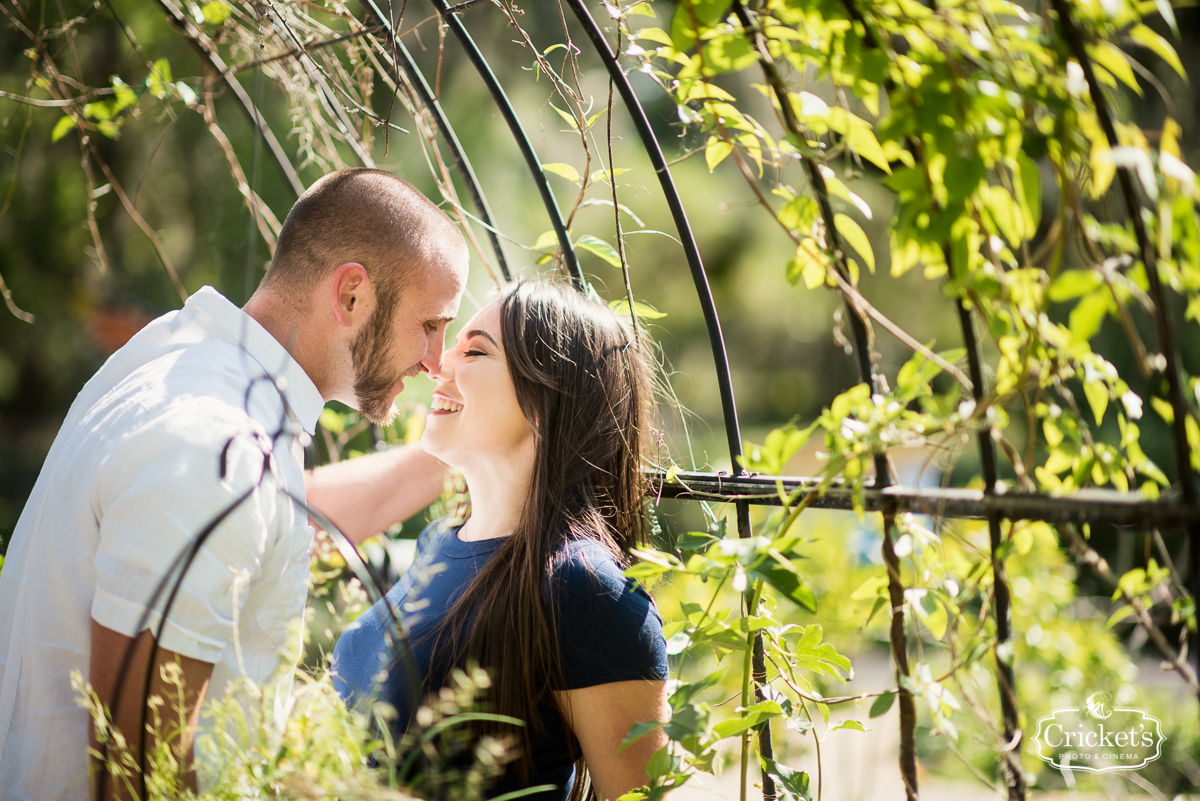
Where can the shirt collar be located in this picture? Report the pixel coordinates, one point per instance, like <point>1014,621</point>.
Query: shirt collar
<point>300,393</point>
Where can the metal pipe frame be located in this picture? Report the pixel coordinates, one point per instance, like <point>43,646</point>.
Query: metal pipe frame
<point>427,98</point>
<point>1085,506</point>
<point>514,125</point>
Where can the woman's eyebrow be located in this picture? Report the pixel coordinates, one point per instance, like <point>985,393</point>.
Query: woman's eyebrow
<point>479,332</point>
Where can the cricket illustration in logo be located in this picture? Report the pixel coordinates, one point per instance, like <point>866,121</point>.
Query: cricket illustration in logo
<point>1099,705</point>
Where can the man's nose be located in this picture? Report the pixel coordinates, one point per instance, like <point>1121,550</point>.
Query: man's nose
<point>432,361</point>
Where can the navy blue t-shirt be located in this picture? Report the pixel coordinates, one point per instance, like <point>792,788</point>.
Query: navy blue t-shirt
<point>608,630</point>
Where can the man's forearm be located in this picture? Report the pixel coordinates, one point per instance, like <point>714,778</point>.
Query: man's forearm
<point>365,496</point>
<point>128,708</point>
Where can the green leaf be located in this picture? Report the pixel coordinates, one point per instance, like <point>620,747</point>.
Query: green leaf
<point>859,136</point>
<point>695,541</point>
<point>332,422</point>
<point>799,213</point>
<point>640,8</point>
<point>621,307</point>
<point>1029,192</point>
<point>716,151</point>
<point>1164,409</point>
<point>706,13</point>
<point>792,785</point>
<point>854,235</point>
<point>1097,396</point>
<point>215,12</point>
<point>787,581</point>
<point>1088,315</point>
<point>936,621</point>
<point>810,264</point>
<point>599,248</point>
<point>882,704</point>
<point>1159,45</point>
<point>1119,615</point>
<point>1003,211</point>
<point>159,78</point>
<point>124,94</point>
<point>1072,284</point>
<point>728,728</point>
<point>63,127</point>
<point>548,239</point>
<point>653,34</point>
<point>569,119</point>
<point>1116,62</point>
<point>854,725</point>
<point>729,53</point>
<point>871,588</point>
<point>564,170</point>
<point>636,733</point>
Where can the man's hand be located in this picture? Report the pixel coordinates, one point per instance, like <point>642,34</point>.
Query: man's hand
<point>365,496</point>
<point>109,651</point>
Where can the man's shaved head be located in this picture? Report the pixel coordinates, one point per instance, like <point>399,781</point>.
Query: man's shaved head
<point>363,216</point>
<point>364,253</point>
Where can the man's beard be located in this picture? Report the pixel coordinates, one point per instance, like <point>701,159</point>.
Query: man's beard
<point>370,356</point>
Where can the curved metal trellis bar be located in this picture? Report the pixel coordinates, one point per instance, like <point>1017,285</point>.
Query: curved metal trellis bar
<point>461,162</point>
<point>514,125</point>
<point>172,581</point>
<point>711,321</point>
<point>683,226</point>
<point>207,52</point>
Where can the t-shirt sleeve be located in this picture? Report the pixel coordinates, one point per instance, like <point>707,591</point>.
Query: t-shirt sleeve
<point>159,489</point>
<point>608,628</point>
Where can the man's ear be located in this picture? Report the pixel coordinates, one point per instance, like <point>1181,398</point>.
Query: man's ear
<point>350,294</point>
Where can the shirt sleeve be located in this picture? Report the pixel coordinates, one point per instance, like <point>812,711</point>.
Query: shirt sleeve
<point>608,627</point>
<point>159,492</point>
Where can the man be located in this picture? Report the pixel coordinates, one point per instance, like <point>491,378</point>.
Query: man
<point>200,419</point>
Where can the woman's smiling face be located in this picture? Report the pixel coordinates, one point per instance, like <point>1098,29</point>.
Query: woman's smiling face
<point>474,414</point>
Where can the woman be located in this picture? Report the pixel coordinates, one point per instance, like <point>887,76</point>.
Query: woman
<point>542,404</point>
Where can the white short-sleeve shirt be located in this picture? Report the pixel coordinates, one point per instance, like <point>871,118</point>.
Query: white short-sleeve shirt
<point>194,426</point>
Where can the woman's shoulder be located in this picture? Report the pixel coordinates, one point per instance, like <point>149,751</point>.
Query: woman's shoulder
<point>584,563</point>
<point>608,627</point>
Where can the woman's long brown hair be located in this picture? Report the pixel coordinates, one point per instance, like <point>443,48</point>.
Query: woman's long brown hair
<point>583,381</point>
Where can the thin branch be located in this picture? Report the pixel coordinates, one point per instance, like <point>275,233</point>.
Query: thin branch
<point>298,51</point>
<point>1088,556</point>
<point>141,223</point>
<point>67,103</point>
<point>12,306</point>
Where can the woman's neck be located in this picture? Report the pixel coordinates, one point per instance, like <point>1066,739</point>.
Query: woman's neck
<point>498,493</point>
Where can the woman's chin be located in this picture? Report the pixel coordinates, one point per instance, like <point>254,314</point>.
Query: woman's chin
<point>437,448</point>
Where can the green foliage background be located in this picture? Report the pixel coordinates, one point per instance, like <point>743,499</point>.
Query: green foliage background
<point>785,332</point>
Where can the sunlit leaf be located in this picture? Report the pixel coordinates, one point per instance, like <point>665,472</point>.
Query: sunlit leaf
<point>1159,45</point>
<point>715,151</point>
<point>854,235</point>
<point>643,310</point>
<point>570,120</point>
<point>63,127</point>
<point>859,136</point>
<point>215,12</point>
<point>600,248</point>
<point>564,170</point>
<point>1116,62</point>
